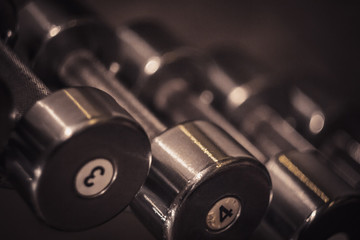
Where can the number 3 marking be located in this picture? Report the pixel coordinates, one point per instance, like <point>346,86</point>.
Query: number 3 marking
<point>87,180</point>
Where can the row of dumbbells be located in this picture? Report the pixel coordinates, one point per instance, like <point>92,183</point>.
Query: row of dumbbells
<point>224,143</point>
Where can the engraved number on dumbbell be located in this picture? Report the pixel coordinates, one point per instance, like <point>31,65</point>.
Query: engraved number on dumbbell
<point>94,177</point>
<point>224,213</point>
<point>89,180</point>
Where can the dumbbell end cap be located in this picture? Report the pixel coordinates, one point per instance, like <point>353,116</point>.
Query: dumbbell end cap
<point>90,158</point>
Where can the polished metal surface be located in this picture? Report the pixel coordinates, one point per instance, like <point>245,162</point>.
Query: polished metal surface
<point>195,165</point>
<point>146,49</point>
<point>66,24</point>
<point>310,200</point>
<point>57,137</point>
<point>236,94</point>
<point>82,69</point>
<point>295,39</point>
<point>193,158</point>
<point>287,216</point>
<point>318,116</point>
<point>167,88</point>
<point>58,134</point>
<point>266,109</point>
<point>178,157</point>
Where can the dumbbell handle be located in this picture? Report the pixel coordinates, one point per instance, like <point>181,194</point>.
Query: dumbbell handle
<point>82,69</point>
<point>24,86</point>
<point>171,97</point>
<point>57,150</point>
<point>183,156</point>
<point>190,160</point>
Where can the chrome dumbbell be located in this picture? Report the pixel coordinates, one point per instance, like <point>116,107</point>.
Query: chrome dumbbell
<point>306,187</point>
<point>343,146</point>
<point>329,123</point>
<point>182,196</point>
<point>71,151</point>
<point>198,186</point>
<point>332,216</point>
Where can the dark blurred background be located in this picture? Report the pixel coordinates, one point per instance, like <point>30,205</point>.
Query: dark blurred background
<point>289,37</point>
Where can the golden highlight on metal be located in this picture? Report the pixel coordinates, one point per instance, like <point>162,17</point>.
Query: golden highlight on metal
<point>198,143</point>
<point>302,177</point>
<point>88,116</point>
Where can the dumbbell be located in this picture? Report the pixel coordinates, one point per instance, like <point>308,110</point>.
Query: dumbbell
<point>310,201</point>
<point>329,123</point>
<point>332,220</point>
<point>343,145</point>
<point>75,155</point>
<point>202,183</point>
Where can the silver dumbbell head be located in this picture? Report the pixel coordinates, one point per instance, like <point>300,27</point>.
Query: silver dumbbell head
<point>202,185</point>
<point>310,200</point>
<point>85,158</point>
<point>47,26</point>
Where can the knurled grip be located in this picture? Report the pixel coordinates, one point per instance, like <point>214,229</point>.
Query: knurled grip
<point>75,155</point>
<point>25,88</point>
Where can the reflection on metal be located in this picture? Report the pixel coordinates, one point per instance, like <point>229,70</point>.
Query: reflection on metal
<point>114,67</point>
<point>238,95</point>
<point>200,145</point>
<point>9,34</point>
<point>355,151</point>
<point>339,236</point>
<point>313,215</point>
<point>309,109</point>
<point>343,140</point>
<point>156,210</point>
<point>152,65</point>
<point>302,177</point>
<point>67,130</point>
<point>317,122</point>
<point>175,155</point>
<point>64,131</point>
<point>302,103</point>
<point>54,31</point>
<point>81,108</point>
<point>183,184</point>
<point>41,18</point>
<point>143,52</point>
<point>206,97</point>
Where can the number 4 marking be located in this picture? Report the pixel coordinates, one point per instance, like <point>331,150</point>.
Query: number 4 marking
<point>224,213</point>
